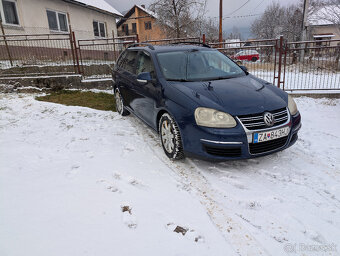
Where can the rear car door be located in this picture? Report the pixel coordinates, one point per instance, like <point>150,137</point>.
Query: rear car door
<point>126,75</point>
<point>147,95</point>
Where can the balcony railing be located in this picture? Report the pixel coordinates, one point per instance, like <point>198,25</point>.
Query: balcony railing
<point>130,32</point>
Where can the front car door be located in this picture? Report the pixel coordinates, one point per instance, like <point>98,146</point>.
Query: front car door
<point>148,94</point>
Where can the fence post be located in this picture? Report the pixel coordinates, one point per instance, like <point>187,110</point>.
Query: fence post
<point>7,48</point>
<point>284,64</point>
<point>280,61</point>
<point>203,38</point>
<point>75,51</point>
<point>114,46</point>
<point>72,49</point>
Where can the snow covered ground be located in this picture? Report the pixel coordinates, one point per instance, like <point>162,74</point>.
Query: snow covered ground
<point>77,181</point>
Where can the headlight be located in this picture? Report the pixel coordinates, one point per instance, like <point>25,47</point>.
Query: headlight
<point>292,106</point>
<point>213,118</point>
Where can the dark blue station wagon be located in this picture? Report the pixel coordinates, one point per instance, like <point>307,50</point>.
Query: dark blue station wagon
<point>202,103</point>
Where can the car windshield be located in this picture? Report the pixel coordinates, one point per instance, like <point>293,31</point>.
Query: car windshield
<point>197,66</point>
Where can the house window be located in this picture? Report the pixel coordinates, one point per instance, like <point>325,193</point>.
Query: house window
<point>147,25</point>
<point>99,29</point>
<point>125,29</point>
<point>10,12</point>
<point>134,28</point>
<point>57,21</point>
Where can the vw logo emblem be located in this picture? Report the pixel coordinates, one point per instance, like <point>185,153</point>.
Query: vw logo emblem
<point>268,119</point>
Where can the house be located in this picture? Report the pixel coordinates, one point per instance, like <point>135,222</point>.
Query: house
<point>142,22</point>
<point>322,24</point>
<point>88,18</point>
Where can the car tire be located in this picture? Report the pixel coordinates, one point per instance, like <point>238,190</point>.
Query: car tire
<point>120,104</point>
<point>253,59</point>
<point>170,137</point>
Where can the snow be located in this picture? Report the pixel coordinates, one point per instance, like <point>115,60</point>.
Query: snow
<point>78,181</point>
<point>317,16</point>
<point>151,13</point>
<point>100,4</point>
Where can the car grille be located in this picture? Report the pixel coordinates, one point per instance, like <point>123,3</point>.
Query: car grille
<point>262,147</point>
<point>256,122</point>
<point>223,151</point>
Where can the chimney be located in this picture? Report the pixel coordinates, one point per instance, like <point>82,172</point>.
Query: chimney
<point>143,5</point>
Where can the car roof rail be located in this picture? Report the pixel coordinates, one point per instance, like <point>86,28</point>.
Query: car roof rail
<point>192,42</point>
<point>142,44</point>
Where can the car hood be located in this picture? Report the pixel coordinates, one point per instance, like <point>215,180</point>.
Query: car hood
<point>236,96</point>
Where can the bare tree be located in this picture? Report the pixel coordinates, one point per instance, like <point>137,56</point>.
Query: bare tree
<point>270,23</point>
<point>328,11</point>
<point>179,17</point>
<point>208,27</point>
<point>235,34</point>
<point>279,20</point>
<point>292,23</point>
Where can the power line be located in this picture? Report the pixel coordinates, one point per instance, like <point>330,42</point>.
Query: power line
<point>258,5</point>
<point>242,16</point>
<point>239,7</point>
<point>239,16</point>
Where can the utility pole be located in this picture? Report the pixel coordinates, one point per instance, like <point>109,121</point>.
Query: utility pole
<point>220,36</point>
<point>304,25</point>
<point>304,20</point>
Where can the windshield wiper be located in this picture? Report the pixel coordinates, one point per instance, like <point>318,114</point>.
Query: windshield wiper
<point>222,78</point>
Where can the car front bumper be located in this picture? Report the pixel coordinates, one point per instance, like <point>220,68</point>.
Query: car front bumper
<point>236,143</point>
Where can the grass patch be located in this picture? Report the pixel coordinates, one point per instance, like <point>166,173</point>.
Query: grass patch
<point>100,101</point>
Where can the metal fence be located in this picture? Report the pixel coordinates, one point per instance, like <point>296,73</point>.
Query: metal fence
<point>308,65</point>
<point>305,65</point>
<point>312,65</point>
<point>261,57</point>
<point>54,52</point>
<point>97,56</point>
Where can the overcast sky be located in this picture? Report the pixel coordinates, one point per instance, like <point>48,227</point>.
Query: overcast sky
<point>251,7</point>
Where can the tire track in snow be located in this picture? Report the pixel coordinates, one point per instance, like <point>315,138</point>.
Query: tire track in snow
<point>234,232</point>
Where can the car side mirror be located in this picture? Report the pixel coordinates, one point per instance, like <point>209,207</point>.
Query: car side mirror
<point>144,78</point>
<point>244,68</point>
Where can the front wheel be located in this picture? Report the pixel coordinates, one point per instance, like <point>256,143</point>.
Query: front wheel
<point>120,104</point>
<point>170,137</point>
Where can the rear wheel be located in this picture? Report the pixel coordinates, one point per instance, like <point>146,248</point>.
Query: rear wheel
<point>120,104</point>
<point>253,59</point>
<point>170,137</point>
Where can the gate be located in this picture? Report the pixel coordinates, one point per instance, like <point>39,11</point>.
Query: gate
<point>305,65</point>
<point>312,65</point>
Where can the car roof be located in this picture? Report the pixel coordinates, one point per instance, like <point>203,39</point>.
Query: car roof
<point>170,48</point>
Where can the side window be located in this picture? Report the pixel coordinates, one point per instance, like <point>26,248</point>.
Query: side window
<point>144,64</point>
<point>121,59</point>
<point>128,61</point>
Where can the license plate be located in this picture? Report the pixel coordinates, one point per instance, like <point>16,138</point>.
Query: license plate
<point>271,135</point>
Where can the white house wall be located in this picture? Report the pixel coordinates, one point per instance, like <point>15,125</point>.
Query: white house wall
<point>33,18</point>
